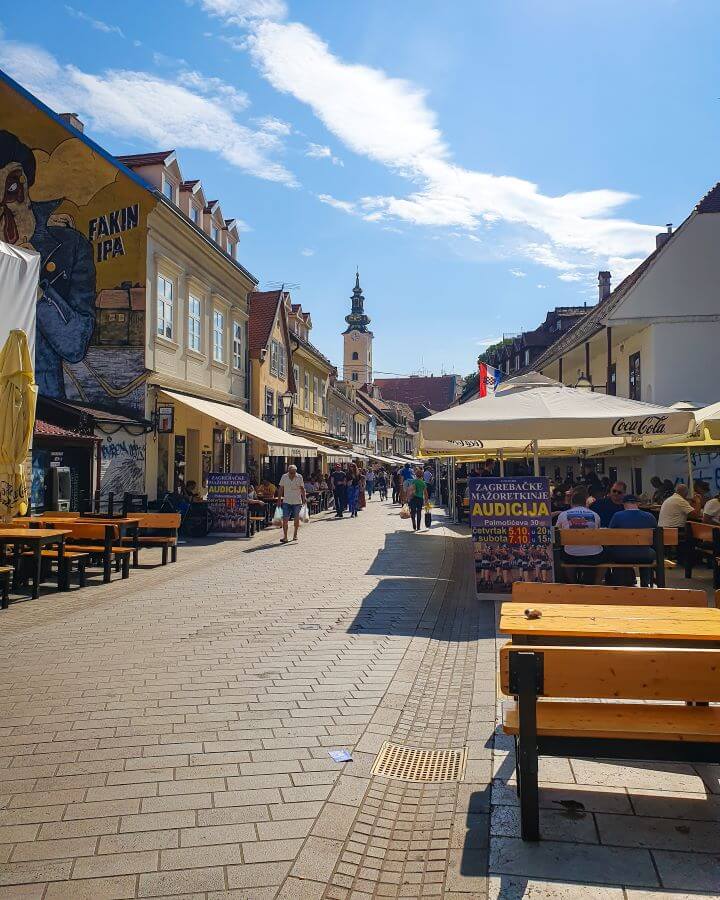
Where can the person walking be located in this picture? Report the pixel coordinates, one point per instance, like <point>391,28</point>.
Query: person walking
<point>362,483</point>
<point>417,496</point>
<point>338,480</point>
<point>370,482</point>
<point>353,490</point>
<point>397,483</point>
<point>429,478</point>
<point>381,483</point>
<point>291,496</point>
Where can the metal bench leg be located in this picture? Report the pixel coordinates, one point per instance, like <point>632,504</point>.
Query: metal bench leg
<point>126,565</point>
<point>164,554</point>
<point>173,553</point>
<point>527,747</point>
<point>82,573</point>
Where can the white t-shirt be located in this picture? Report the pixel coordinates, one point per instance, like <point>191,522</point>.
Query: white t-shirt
<point>579,517</point>
<point>292,488</point>
<point>712,509</point>
<point>674,512</point>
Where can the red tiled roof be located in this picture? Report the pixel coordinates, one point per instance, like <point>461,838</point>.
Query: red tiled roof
<point>45,429</point>
<point>262,306</point>
<point>435,391</point>
<point>135,160</point>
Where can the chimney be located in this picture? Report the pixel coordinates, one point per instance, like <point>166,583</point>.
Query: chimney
<point>603,285</point>
<point>73,120</point>
<point>663,237</point>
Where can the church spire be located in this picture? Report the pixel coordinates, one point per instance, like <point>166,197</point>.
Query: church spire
<point>357,320</point>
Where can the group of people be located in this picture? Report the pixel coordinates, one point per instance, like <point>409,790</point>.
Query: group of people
<point>352,486</point>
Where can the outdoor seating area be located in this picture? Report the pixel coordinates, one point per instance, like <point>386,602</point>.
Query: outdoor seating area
<point>602,672</point>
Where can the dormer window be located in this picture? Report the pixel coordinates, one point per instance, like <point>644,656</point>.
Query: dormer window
<point>194,213</point>
<point>168,189</point>
<point>215,233</point>
<point>231,248</point>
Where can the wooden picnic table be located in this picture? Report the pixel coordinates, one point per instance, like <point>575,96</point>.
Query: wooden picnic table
<point>126,525</point>
<point>605,625</point>
<point>37,539</point>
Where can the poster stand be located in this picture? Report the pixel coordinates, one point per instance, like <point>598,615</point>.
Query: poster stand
<point>227,499</point>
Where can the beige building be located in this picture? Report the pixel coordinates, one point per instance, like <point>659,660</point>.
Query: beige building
<point>312,371</point>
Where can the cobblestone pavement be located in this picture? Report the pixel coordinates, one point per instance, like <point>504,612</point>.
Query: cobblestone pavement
<point>169,735</point>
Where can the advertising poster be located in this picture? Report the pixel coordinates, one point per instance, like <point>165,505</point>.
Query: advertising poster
<point>511,531</point>
<point>228,502</point>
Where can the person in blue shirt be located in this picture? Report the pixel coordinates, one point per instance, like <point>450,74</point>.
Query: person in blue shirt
<point>606,507</point>
<point>631,516</point>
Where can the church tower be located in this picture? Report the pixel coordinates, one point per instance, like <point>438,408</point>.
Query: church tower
<point>357,359</point>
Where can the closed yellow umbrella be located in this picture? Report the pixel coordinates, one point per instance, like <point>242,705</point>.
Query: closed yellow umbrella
<point>18,397</point>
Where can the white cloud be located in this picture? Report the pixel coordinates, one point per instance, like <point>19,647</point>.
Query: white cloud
<point>236,44</point>
<point>338,204</point>
<point>215,87</point>
<point>541,286</point>
<point>487,342</point>
<point>242,12</point>
<point>147,107</point>
<point>570,276</point>
<point>389,121</point>
<point>307,252</point>
<point>320,151</point>
<point>97,24</point>
<point>518,273</point>
<point>274,126</point>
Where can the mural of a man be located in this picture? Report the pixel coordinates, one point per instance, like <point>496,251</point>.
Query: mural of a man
<point>66,301</point>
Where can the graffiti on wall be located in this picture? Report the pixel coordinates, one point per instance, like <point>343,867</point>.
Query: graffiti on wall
<point>85,218</point>
<point>122,464</point>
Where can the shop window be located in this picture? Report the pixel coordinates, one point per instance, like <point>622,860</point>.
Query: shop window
<point>165,301</point>
<point>218,336</point>
<point>194,323</point>
<point>635,377</point>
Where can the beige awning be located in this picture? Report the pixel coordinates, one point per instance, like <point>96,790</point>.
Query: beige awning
<point>279,442</point>
<point>334,454</point>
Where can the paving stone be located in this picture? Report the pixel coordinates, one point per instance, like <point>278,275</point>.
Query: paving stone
<point>257,875</point>
<point>177,882</point>
<point>114,888</point>
<point>688,871</point>
<point>675,805</point>
<point>508,888</point>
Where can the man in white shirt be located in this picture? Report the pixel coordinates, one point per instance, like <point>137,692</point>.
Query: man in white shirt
<point>675,510</point>
<point>711,511</point>
<point>579,516</point>
<point>292,496</point>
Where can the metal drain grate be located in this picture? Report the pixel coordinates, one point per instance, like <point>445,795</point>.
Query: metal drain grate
<point>414,764</point>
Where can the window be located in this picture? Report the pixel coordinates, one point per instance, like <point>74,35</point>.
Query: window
<point>612,379</point>
<point>193,323</point>
<point>215,233</point>
<point>165,307</point>
<point>316,395</point>
<point>218,337</point>
<point>323,398</point>
<point>194,213</point>
<point>238,346</point>
<point>355,355</point>
<point>296,376</point>
<point>269,404</point>
<point>231,248</point>
<point>354,376</point>
<point>282,361</point>
<point>526,358</point>
<point>168,188</point>
<point>306,391</point>
<point>635,385</point>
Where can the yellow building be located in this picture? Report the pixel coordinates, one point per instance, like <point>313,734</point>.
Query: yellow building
<point>311,372</point>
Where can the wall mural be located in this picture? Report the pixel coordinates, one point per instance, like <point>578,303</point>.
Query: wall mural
<point>86,219</point>
<point>122,464</point>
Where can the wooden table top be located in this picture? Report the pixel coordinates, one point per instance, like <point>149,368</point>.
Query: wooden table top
<point>30,534</point>
<point>571,620</point>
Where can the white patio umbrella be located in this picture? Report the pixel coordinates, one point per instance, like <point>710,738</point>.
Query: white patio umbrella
<point>535,412</point>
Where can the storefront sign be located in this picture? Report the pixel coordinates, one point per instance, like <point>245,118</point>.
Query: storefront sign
<point>511,531</point>
<point>228,502</point>
<point>165,419</point>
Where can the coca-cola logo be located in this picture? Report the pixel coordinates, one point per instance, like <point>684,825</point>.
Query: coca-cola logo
<point>468,443</point>
<point>639,427</point>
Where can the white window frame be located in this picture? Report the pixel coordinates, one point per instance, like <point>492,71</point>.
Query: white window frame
<point>323,397</point>
<point>238,345</point>
<point>218,346</point>
<point>316,394</point>
<point>194,213</point>
<point>215,232</point>
<point>168,183</point>
<point>165,306</point>
<point>273,357</point>
<point>296,376</point>
<point>194,323</point>
<point>306,391</point>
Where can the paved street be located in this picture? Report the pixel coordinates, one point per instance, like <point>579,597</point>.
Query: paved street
<point>169,736</point>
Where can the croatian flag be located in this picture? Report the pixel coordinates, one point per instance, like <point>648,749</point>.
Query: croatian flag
<point>488,380</point>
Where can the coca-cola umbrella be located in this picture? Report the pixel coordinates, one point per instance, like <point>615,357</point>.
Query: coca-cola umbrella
<point>536,413</point>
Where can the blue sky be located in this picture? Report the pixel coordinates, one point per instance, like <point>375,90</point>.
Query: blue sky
<point>479,161</point>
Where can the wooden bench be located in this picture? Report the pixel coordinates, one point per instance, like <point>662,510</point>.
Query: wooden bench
<point>531,592</point>
<point>100,541</point>
<point>659,730</point>
<point>69,557</point>
<point>703,539</point>
<point>168,523</point>
<point>654,538</point>
<point>6,573</point>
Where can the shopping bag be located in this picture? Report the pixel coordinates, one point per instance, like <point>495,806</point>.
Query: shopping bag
<point>428,518</point>
<point>405,511</point>
<point>304,514</point>
<point>277,517</point>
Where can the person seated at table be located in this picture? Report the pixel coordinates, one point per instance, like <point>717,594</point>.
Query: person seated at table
<point>579,516</point>
<point>190,492</point>
<point>631,516</point>
<point>662,489</point>
<point>558,501</point>
<point>606,507</point>
<point>675,511</point>
<point>266,490</point>
<point>312,485</point>
<point>711,511</point>
<point>701,494</point>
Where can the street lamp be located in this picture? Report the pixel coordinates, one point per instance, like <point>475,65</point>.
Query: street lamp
<point>583,383</point>
<point>287,401</point>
